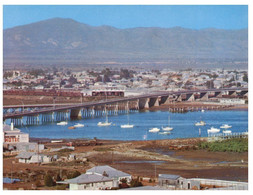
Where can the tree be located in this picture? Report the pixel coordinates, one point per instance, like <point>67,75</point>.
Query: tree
<point>74,174</point>
<point>48,180</point>
<point>135,182</point>
<point>99,78</point>
<point>106,78</point>
<point>245,77</point>
<point>58,178</point>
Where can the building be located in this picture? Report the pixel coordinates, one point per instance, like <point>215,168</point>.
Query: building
<point>111,173</point>
<point>89,182</point>
<point>14,135</point>
<point>176,182</point>
<point>232,101</point>
<point>32,157</point>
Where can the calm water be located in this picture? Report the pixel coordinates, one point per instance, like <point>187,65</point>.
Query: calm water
<point>183,125</point>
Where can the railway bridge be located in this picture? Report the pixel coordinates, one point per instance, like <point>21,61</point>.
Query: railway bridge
<point>37,114</point>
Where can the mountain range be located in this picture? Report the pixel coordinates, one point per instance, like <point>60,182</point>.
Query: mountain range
<point>66,41</point>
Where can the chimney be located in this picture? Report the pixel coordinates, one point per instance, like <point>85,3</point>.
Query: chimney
<point>12,126</point>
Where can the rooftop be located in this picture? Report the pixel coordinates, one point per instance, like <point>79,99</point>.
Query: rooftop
<point>88,178</point>
<point>168,176</point>
<point>111,172</point>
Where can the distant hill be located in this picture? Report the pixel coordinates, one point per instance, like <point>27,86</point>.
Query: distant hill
<point>66,41</point>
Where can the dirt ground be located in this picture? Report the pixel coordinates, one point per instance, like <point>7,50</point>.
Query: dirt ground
<point>146,159</point>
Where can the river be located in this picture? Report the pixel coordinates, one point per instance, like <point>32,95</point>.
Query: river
<point>182,123</point>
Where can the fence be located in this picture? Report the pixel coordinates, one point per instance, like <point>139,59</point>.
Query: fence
<point>223,184</point>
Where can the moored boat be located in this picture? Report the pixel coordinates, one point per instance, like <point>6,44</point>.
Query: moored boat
<point>127,126</point>
<point>225,126</point>
<point>154,130</point>
<point>62,123</point>
<point>213,130</point>
<point>168,128</point>
<point>71,127</point>
<point>201,123</point>
<point>226,131</point>
<point>79,125</point>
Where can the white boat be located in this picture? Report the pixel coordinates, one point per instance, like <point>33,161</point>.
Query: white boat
<point>79,125</point>
<point>101,124</point>
<point>154,130</point>
<point>226,131</point>
<point>127,125</point>
<point>167,128</point>
<point>106,123</point>
<point>213,130</point>
<point>62,123</point>
<point>225,126</point>
<point>202,110</point>
<point>201,123</point>
<point>164,133</point>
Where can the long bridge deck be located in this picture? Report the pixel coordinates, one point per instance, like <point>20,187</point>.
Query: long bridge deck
<point>49,108</point>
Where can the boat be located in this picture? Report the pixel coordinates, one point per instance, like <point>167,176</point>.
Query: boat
<point>127,125</point>
<point>201,123</point>
<point>62,123</point>
<point>79,125</point>
<point>164,133</point>
<point>167,128</point>
<point>71,127</point>
<point>106,123</point>
<point>154,130</point>
<point>225,126</point>
<point>202,110</point>
<point>213,130</point>
<point>226,131</point>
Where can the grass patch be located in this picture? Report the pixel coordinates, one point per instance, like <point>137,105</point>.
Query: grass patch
<point>103,149</point>
<point>230,145</point>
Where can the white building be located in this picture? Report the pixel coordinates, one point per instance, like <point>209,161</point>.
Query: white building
<point>232,101</point>
<point>14,135</point>
<point>89,182</point>
<point>111,173</point>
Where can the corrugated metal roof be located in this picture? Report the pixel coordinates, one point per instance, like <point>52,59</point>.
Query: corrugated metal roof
<point>168,176</point>
<point>88,178</point>
<point>111,172</point>
<point>25,155</point>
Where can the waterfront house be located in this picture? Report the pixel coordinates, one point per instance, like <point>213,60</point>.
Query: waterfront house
<point>111,173</point>
<point>89,182</point>
<point>176,182</point>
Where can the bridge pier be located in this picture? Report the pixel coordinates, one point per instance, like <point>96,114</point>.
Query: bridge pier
<point>76,113</point>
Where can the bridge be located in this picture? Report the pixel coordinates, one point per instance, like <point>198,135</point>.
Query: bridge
<point>57,112</point>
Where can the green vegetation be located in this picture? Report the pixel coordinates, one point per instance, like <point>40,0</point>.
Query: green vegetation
<point>136,182</point>
<point>73,175</point>
<point>102,149</point>
<point>230,145</point>
<point>48,180</point>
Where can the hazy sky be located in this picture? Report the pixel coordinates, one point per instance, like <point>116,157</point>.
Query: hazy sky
<point>127,16</point>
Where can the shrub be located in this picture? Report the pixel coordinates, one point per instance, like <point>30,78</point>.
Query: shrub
<point>48,180</point>
<point>73,175</point>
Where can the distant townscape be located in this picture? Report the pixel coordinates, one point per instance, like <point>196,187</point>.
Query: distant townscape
<point>90,82</point>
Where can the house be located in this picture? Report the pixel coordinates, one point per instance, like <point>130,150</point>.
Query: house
<point>89,182</point>
<point>25,157</point>
<point>176,182</point>
<point>111,173</point>
<point>32,157</point>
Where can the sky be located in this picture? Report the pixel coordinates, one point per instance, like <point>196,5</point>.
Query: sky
<point>130,16</point>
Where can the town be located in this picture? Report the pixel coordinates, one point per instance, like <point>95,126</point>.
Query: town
<point>131,82</point>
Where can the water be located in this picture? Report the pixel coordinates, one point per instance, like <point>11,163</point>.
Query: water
<point>183,124</point>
